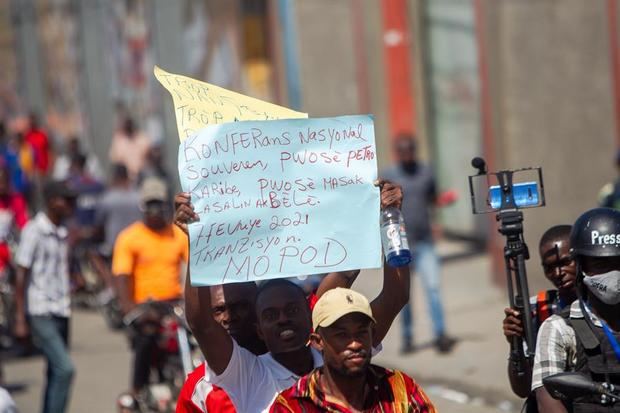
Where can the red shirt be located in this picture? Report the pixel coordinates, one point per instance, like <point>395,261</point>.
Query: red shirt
<point>39,142</point>
<point>15,204</point>
<point>391,392</point>
<point>199,396</point>
<point>13,213</point>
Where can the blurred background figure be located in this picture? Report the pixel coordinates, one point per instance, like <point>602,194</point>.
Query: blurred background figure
<point>42,286</point>
<point>38,139</point>
<point>88,190</point>
<point>13,218</point>
<point>117,209</point>
<point>19,159</point>
<point>420,197</point>
<point>154,168</point>
<point>148,264</point>
<point>4,137</point>
<point>62,164</point>
<point>130,147</point>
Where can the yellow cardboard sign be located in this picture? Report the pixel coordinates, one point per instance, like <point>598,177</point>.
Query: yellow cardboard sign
<point>198,104</point>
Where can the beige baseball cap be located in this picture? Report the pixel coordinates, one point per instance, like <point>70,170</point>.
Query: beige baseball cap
<point>153,189</point>
<point>337,303</point>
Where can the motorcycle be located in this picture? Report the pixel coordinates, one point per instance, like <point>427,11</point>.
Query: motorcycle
<point>571,386</point>
<point>176,356</point>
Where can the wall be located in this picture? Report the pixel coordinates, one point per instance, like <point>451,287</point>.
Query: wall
<point>330,79</point>
<point>552,102</point>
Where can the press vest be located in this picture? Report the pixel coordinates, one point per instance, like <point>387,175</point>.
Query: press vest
<point>596,359</point>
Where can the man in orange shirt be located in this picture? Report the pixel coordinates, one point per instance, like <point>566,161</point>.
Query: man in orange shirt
<point>148,262</point>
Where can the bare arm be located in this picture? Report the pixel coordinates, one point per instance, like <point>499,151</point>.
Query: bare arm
<point>395,292</point>
<point>214,341</point>
<point>124,293</point>
<point>21,281</point>
<point>548,404</point>
<point>333,280</point>
<point>392,298</point>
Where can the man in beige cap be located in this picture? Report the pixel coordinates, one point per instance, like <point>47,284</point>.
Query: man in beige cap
<point>343,332</point>
<point>147,262</point>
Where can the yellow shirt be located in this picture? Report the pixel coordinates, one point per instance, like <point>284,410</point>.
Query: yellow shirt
<point>152,259</point>
<point>26,159</point>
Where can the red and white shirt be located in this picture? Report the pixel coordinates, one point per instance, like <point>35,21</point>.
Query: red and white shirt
<point>199,396</point>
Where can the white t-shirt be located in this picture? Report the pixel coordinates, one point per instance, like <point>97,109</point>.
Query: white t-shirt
<point>7,405</point>
<point>253,382</point>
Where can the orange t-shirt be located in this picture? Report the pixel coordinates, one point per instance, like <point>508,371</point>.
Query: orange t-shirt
<point>152,259</point>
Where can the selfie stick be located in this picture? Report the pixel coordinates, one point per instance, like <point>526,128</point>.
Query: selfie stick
<point>515,254</point>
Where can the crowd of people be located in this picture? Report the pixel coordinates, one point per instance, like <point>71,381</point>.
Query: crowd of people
<point>60,216</point>
<point>276,346</point>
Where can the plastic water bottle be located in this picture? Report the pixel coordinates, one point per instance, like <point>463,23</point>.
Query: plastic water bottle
<point>394,238</point>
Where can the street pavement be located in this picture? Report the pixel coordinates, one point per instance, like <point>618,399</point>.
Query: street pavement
<point>472,378</point>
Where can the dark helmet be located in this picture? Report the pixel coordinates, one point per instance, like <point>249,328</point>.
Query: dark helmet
<point>596,233</point>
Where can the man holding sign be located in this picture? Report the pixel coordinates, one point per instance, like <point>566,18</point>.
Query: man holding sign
<point>283,317</point>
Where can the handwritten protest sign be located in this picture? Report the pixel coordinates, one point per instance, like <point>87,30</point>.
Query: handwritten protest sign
<point>198,104</point>
<point>282,198</point>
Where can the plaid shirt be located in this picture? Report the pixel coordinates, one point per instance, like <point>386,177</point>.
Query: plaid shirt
<point>556,346</point>
<point>392,392</point>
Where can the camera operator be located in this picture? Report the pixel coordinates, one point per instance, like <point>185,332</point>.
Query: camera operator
<point>586,339</point>
<point>559,269</point>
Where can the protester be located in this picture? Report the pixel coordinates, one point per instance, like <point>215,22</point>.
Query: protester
<point>130,147</point>
<point>343,333</point>
<point>4,137</point>
<point>420,196</point>
<point>13,218</point>
<point>232,306</point>
<point>559,269</point>
<point>284,324</point>
<point>583,340</point>
<point>147,262</point>
<point>42,292</point>
<point>154,166</point>
<point>37,138</point>
<point>117,209</point>
<point>88,190</point>
<point>20,162</point>
<point>62,164</point>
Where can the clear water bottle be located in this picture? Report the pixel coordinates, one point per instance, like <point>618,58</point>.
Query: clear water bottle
<point>394,238</point>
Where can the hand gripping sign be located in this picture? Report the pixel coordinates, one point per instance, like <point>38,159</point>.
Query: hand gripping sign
<point>198,104</point>
<point>281,198</point>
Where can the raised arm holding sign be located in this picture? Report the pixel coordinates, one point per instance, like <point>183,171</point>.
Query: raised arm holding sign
<point>274,199</point>
<point>283,322</point>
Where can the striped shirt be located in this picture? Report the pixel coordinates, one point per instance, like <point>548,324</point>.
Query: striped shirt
<point>391,392</point>
<point>43,250</point>
<point>556,345</point>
